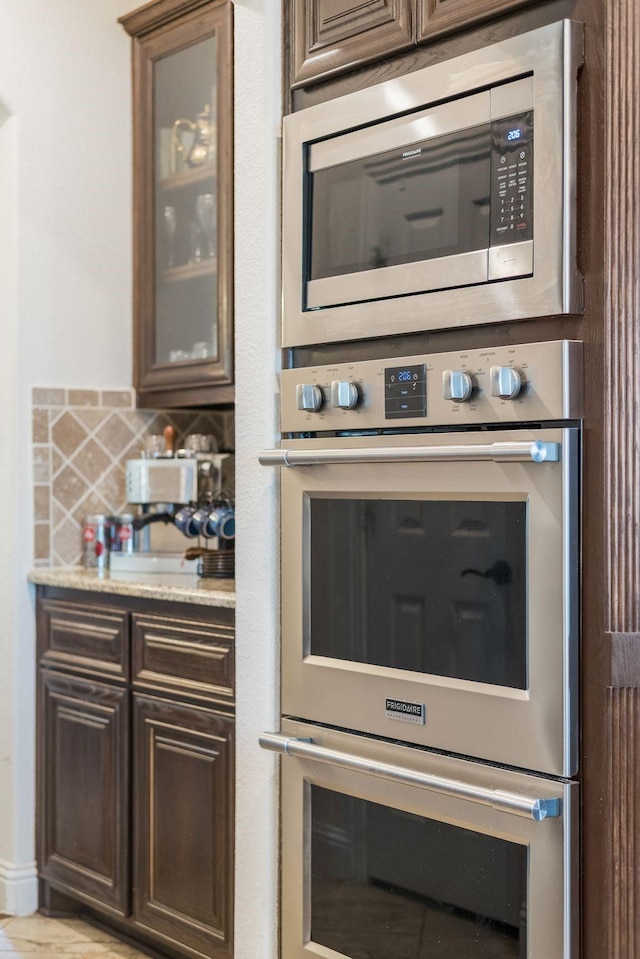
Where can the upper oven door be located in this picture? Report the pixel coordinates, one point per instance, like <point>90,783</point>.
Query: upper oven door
<point>429,591</point>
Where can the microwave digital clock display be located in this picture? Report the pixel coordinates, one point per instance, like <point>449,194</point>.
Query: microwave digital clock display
<point>512,180</point>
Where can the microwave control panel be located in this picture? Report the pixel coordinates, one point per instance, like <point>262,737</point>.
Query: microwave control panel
<point>512,179</point>
<point>508,384</point>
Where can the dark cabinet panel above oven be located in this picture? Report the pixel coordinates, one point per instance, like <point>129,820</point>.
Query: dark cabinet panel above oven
<point>332,36</point>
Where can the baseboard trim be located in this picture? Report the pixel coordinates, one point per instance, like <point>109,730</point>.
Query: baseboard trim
<point>18,888</point>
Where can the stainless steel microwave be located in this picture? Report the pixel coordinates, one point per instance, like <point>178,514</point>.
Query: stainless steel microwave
<point>439,199</point>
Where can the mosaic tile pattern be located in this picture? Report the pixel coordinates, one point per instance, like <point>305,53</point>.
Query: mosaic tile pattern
<point>38,937</point>
<point>81,439</point>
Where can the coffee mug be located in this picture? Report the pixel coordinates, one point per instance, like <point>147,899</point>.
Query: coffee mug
<point>215,521</point>
<point>185,520</point>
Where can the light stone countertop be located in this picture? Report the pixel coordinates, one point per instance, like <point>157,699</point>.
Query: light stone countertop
<point>174,587</point>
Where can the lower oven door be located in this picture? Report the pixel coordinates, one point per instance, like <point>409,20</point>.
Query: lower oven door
<point>391,851</point>
<point>429,591</point>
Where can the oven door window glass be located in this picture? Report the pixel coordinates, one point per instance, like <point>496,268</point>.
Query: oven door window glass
<point>432,586</point>
<point>431,890</point>
<point>429,199</point>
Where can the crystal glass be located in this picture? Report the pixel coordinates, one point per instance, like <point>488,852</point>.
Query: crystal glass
<point>169,221</point>
<point>206,213</point>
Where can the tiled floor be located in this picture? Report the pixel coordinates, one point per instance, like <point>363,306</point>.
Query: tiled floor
<point>36,937</point>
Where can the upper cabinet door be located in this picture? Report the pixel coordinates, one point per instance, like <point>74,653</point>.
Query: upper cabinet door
<point>329,35</point>
<point>444,16</point>
<point>182,70</point>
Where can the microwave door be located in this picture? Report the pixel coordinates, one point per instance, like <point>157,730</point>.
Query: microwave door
<point>400,208</point>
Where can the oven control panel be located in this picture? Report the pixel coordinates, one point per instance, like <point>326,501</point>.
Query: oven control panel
<point>507,384</point>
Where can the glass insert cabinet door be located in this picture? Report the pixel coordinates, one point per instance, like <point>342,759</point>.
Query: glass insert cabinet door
<point>182,202</point>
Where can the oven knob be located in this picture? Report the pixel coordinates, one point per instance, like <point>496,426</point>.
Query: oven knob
<point>344,394</point>
<point>457,385</point>
<point>309,397</point>
<point>506,382</point>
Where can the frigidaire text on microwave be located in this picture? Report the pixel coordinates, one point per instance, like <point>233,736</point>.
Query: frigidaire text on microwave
<point>439,199</point>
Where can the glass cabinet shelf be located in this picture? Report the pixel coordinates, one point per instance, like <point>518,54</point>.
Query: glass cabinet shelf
<point>176,274</point>
<point>186,178</point>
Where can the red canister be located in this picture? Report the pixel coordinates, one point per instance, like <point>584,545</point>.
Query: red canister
<point>122,533</point>
<point>97,541</point>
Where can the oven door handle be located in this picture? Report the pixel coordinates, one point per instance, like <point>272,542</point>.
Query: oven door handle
<point>531,452</point>
<point>526,806</point>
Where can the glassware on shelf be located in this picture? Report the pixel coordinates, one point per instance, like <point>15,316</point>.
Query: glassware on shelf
<point>201,350</point>
<point>195,243</point>
<point>169,220</point>
<point>178,356</point>
<point>200,443</point>
<point>154,446</point>
<point>206,213</point>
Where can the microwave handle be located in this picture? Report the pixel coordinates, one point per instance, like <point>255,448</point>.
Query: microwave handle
<point>526,806</point>
<point>532,452</point>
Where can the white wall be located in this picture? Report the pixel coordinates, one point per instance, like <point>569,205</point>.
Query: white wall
<point>65,311</point>
<point>65,320</point>
<point>257,292</point>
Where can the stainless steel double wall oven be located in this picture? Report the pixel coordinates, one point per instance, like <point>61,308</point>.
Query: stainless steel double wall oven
<point>430,599</point>
<point>430,516</point>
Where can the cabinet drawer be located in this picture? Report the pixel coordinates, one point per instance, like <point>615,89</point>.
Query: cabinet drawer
<point>89,638</point>
<point>191,656</point>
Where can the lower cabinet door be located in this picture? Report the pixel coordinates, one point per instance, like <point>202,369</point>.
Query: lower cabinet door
<point>84,789</point>
<point>183,825</point>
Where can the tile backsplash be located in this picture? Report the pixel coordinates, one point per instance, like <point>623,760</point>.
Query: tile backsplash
<point>81,439</point>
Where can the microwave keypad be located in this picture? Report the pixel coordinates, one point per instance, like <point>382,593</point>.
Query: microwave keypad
<point>405,391</point>
<point>512,187</point>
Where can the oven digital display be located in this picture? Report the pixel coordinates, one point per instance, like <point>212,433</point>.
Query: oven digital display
<point>405,391</point>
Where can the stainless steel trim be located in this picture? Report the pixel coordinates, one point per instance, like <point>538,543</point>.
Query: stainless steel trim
<point>462,269</point>
<point>511,260</point>
<point>403,131</point>
<point>512,98</point>
<point>535,452</point>
<point>573,59</point>
<point>526,806</point>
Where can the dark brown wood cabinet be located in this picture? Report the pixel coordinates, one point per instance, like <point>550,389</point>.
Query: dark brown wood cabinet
<point>183,198</point>
<point>183,805</point>
<point>332,35</point>
<point>327,37</point>
<point>436,17</point>
<point>84,788</point>
<point>136,766</point>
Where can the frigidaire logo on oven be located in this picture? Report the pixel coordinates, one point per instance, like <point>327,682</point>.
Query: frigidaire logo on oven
<point>412,153</point>
<point>405,712</point>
